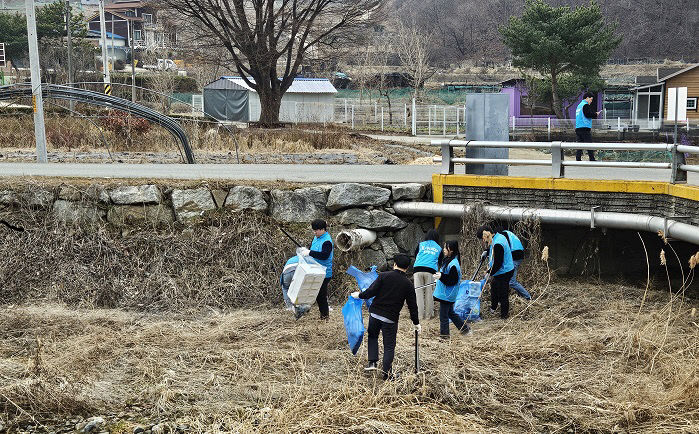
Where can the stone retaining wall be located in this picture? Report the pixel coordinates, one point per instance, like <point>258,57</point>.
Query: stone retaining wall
<point>347,205</point>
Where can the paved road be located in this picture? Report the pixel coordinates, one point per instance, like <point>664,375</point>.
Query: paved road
<point>322,173</point>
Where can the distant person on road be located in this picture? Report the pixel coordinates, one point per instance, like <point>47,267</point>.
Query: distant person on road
<point>390,290</point>
<point>517,250</point>
<point>500,268</point>
<point>448,279</point>
<point>428,255</point>
<point>584,115</point>
<point>321,250</point>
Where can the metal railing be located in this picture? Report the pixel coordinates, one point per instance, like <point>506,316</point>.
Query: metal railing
<point>678,165</point>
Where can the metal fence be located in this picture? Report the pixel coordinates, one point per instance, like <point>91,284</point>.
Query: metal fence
<point>678,164</point>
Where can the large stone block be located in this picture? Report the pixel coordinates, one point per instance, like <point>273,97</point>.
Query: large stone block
<point>192,203</point>
<point>8,197</point>
<point>372,257</point>
<point>410,191</point>
<point>136,194</point>
<point>130,215</point>
<point>69,192</point>
<point>40,198</point>
<point>389,247</point>
<point>77,212</point>
<point>302,205</point>
<point>407,239</point>
<point>376,220</point>
<point>350,195</point>
<point>244,197</point>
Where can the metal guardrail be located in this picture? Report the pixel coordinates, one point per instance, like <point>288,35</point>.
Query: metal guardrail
<point>678,165</point>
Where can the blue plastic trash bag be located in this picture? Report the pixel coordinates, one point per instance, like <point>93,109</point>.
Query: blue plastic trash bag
<point>468,302</point>
<point>354,324</point>
<point>364,279</point>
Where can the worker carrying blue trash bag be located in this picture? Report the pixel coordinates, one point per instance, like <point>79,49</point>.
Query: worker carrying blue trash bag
<point>391,289</point>
<point>352,310</point>
<point>468,300</point>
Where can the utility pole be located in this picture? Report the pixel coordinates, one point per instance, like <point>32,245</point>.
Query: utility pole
<point>105,65</point>
<point>37,100</point>
<point>130,23</point>
<point>70,54</point>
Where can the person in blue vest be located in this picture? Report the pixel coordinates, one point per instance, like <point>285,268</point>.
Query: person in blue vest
<point>285,280</point>
<point>448,278</point>
<point>584,115</point>
<point>321,250</point>
<point>428,255</point>
<point>517,257</point>
<point>500,268</point>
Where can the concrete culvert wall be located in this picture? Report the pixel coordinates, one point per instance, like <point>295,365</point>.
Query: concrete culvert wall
<point>354,239</point>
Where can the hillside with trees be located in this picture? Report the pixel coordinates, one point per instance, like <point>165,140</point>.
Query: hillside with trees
<point>468,29</point>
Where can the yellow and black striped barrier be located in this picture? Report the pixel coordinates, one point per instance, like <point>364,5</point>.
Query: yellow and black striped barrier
<point>107,89</point>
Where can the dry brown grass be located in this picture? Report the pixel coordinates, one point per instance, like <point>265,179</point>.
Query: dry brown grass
<point>75,133</point>
<point>212,263</point>
<point>580,359</point>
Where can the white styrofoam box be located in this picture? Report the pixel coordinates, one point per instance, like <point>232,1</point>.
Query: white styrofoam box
<point>306,283</point>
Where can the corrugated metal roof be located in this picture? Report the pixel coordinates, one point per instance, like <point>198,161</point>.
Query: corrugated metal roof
<point>299,85</point>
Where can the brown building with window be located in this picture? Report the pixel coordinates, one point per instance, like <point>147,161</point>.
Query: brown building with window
<point>650,100</point>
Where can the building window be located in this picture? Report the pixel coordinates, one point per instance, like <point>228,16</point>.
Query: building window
<point>148,18</point>
<point>692,103</point>
<point>137,35</point>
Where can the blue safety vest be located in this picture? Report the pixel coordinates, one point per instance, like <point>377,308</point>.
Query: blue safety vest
<point>317,246</point>
<point>582,121</point>
<point>427,255</point>
<point>448,293</point>
<point>507,264</point>
<point>515,243</point>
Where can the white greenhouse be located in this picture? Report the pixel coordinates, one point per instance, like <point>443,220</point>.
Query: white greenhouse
<point>308,100</point>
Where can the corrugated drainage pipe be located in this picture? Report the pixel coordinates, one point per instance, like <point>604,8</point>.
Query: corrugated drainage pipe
<point>354,239</point>
<point>614,220</point>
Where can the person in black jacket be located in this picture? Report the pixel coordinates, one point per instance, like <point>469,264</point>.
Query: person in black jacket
<point>390,291</point>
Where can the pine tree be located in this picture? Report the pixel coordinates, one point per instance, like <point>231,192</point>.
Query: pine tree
<point>555,41</point>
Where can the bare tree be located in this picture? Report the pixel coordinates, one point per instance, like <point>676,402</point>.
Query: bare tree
<point>413,47</point>
<point>266,40</point>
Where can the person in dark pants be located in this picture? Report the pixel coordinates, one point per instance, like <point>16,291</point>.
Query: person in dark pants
<point>584,115</point>
<point>390,291</point>
<point>322,251</point>
<point>500,268</point>
<point>517,257</point>
<point>448,279</point>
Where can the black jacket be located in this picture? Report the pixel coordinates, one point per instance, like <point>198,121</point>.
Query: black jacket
<point>391,289</point>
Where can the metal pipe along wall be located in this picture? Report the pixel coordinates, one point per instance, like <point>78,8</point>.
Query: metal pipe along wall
<point>613,220</point>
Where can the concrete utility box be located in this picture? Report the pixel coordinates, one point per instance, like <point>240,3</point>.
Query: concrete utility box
<point>486,119</point>
<point>306,283</point>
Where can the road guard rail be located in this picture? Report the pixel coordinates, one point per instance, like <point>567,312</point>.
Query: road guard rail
<point>558,163</point>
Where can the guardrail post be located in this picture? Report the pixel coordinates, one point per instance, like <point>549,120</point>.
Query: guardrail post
<point>678,176</point>
<point>557,167</point>
<point>447,163</point>
<point>413,118</point>
<point>457,122</point>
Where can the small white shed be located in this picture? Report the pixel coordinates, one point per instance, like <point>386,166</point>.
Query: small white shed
<point>308,100</point>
